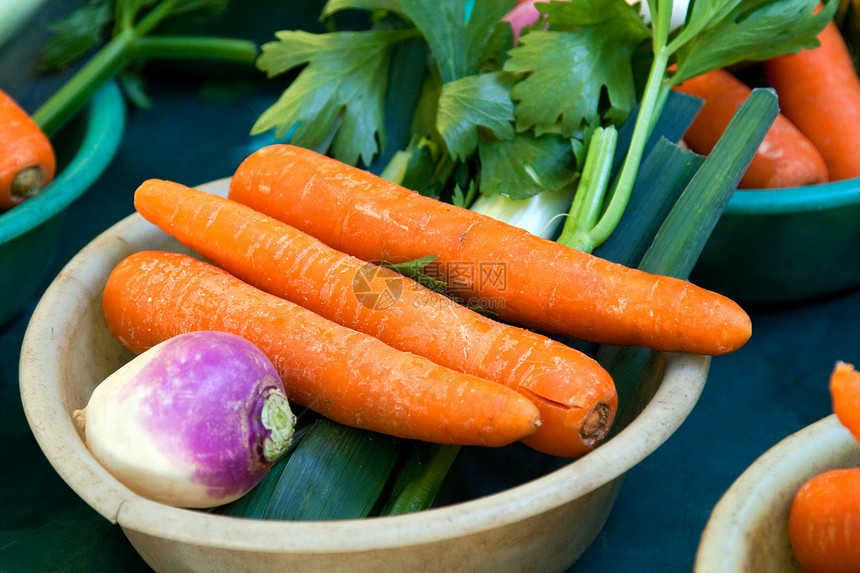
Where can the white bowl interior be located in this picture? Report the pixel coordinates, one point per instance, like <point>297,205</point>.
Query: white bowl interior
<point>546,523</point>
<point>748,529</point>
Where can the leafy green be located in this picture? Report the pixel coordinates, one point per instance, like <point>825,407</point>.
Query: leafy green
<point>460,43</point>
<point>470,103</point>
<point>567,71</point>
<point>750,30</point>
<point>344,79</point>
<point>526,165</point>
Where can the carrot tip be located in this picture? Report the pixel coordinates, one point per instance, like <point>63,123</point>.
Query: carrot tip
<point>596,423</point>
<point>27,183</point>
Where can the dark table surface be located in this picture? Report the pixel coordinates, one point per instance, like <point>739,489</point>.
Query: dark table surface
<point>197,131</point>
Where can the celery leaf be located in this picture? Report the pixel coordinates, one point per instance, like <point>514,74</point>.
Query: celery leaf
<point>345,77</point>
<point>587,50</point>
<point>471,102</point>
<point>526,165</point>
<point>460,41</point>
<point>752,30</point>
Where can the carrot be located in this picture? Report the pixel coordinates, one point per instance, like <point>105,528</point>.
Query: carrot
<point>347,376</point>
<point>819,92</point>
<point>785,158</point>
<point>575,396</point>
<point>530,281</point>
<point>27,160</point>
<point>824,522</point>
<point>845,393</point>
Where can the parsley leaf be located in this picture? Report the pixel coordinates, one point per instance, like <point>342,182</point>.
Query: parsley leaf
<point>471,102</point>
<point>345,77</point>
<point>588,49</point>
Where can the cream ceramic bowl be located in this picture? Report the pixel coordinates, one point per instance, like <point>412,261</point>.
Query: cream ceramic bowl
<point>748,529</point>
<point>542,525</point>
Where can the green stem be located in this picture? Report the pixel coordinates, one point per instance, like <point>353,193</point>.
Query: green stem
<point>651,100</point>
<point>194,48</point>
<point>591,191</point>
<point>66,101</point>
<point>116,54</point>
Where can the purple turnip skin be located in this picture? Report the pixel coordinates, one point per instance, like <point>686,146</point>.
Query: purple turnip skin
<point>196,421</point>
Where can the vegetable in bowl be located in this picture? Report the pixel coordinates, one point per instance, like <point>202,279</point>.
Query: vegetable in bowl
<point>196,421</point>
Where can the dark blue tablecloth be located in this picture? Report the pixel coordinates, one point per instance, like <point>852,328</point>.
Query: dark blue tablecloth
<point>196,131</point>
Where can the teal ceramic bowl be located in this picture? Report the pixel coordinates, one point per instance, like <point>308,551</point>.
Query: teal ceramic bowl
<point>785,245</point>
<point>30,231</point>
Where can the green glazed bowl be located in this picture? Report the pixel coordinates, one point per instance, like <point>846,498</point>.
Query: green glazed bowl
<point>30,231</point>
<point>785,245</point>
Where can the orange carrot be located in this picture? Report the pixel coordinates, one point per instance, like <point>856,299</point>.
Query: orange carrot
<point>824,523</point>
<point>350,377</point>
<point>819,92</point>
<point>27,160</point>
<point>574,394</point>
<point>845,392</point>
<point>785,158</point>
<point>530,281</point>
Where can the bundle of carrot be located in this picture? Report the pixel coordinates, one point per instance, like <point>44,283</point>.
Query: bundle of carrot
<point>815,139</point>
<point>824,521</point>
<point>546,285</point>
<point>575,396</point>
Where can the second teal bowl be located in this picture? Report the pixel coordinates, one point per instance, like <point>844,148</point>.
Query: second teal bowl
<point>30,231</point>
<point>785,245</point>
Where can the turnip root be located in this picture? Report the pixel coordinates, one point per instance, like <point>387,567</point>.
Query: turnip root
<point>196,421</point>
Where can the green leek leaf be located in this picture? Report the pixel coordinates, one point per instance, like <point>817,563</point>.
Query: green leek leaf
<point>682,235</point>
<point>336,472</point>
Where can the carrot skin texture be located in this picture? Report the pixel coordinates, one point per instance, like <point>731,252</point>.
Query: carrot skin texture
<point>24,150</point>
<point>845,394</point>
<point>568,387</point>
<point>546,286</point>
<point>824,522</point>
<point>785,158</point>
<point>345,375</point>
<point>819,91</point>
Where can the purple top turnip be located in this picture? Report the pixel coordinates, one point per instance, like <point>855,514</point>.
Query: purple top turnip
<point>196,421</point>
